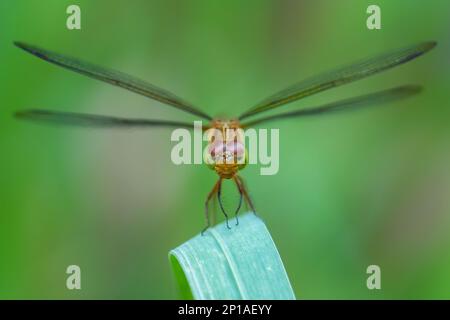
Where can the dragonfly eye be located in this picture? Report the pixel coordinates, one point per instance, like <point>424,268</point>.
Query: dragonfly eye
<point>228,153</point>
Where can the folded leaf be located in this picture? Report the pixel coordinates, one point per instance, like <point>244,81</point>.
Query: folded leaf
<point>241,263</point>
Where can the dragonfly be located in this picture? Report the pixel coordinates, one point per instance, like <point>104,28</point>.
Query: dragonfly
<point>234,151</point>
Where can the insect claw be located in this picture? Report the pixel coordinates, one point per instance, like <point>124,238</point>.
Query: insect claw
<point>228,226</point>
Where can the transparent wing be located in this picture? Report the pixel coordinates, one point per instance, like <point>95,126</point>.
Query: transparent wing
<point>113,77</point>
<point>88,120</point>
<point>339,77</point>
<point>376,98</point>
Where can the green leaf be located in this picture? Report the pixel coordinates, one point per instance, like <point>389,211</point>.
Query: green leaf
<point>241,263</point>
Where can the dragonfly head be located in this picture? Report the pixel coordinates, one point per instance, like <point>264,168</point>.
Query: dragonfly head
<point>226,152</point>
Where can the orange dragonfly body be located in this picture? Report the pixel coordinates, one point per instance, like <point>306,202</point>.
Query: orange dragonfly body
<point>228,157</point>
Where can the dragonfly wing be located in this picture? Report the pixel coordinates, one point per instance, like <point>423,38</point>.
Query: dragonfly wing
<point>376,98</point>
<point>113,77</point>
<point>88,120</point>
<point>339,77</point>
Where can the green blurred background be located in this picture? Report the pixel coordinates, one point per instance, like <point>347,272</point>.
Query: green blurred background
<point>354,189</point>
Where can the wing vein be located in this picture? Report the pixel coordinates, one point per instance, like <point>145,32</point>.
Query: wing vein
<point>339,77</point>
<point>113,77</point>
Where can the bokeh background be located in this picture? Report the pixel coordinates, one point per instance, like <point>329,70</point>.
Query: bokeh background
<point>354,189</point>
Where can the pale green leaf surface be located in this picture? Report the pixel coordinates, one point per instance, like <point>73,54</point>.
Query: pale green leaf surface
<point>241,263</point>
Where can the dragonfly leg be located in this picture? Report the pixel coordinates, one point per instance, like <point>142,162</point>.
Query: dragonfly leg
<point>247,198</point>
<point>208,199</point>
<point>214,211</point>
<point>240,199</point>
<point>219,197</point>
